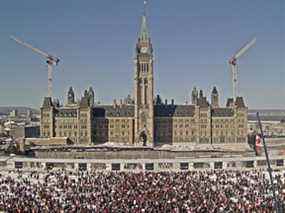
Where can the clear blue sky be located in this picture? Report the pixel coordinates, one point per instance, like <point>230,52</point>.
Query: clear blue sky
<point>192,42</point>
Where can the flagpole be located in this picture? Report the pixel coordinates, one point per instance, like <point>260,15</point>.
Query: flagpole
<point>276,202</point>
<point>145,5</point>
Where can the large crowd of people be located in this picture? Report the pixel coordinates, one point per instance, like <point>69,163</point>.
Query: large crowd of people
<point>191,191</point>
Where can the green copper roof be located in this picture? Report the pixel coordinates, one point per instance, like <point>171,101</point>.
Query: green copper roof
<point>144,34</point>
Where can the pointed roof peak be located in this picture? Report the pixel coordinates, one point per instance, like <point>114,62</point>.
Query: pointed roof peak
<point>214,91</point>
<point>47,102</point>
<point>144,32</point>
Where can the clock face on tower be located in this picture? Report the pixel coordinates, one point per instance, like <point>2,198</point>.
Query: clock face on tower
<point>144,49</point>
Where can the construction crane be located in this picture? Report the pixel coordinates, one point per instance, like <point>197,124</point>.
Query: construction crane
<point>234,65</point>
<point>50,60</point>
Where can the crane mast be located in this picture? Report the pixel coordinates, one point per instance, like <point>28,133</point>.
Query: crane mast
<point>50,60</point>
<point>234,65</point>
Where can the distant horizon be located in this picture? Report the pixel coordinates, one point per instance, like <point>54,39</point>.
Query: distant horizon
<point>96,40</point>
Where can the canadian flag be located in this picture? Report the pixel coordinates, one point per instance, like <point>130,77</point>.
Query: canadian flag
<point>258,146</point>
<point>258,141</point>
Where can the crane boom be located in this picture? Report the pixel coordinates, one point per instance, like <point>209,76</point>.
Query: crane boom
<point>50,60</point>
<point>234,65</point>
<point>30,46</point>
<point>245,48</point>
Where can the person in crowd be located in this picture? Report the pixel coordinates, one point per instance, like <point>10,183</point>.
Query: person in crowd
<point>213,191</point>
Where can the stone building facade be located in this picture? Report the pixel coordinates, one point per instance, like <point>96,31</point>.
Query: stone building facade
<point>145,116</point>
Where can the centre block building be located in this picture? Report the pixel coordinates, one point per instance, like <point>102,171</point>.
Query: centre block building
<point>144,119</point>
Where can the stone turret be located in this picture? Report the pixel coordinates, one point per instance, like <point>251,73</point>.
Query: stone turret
<point>194,96</point>
<point>85,93</point>
<point>215,98</point>
<point>47,124</point>
<point>70,96</point>
<point>201,94</point>
<point>91,96</point>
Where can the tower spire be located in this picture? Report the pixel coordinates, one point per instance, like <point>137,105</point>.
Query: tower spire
<point>144,9</point>
<point>144,84</point>
<point>144,33</point>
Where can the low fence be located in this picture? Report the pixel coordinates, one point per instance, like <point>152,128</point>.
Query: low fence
<point>132,165</point>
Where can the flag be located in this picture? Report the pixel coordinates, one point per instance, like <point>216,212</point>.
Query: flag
<point>258,145</point>
<point>257,141</point>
